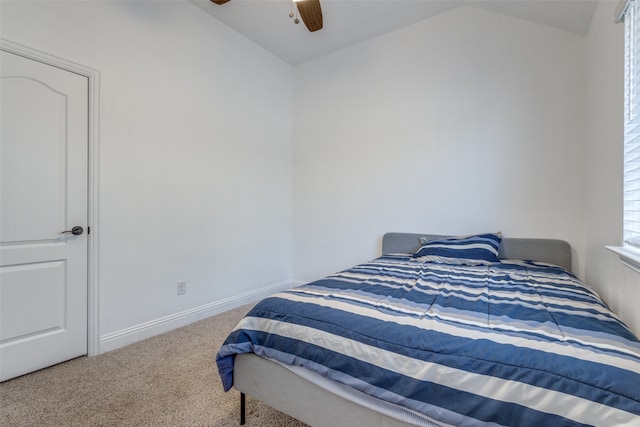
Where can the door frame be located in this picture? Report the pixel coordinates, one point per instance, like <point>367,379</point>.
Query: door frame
<point>93,137</point>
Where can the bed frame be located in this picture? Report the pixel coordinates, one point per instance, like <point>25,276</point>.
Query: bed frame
<point>287,392</point>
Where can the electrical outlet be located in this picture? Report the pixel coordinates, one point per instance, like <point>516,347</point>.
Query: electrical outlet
<point>182,288</point>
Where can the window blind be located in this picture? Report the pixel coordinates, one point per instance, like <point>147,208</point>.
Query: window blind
<point>632,126</point>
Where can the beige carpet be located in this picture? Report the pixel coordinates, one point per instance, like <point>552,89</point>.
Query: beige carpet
<point>168,380</point>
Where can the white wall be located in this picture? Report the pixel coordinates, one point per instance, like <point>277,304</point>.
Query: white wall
<point>466,122</point>
<point>195,151</point>
<point>617,284</point>
<point>404,132</point>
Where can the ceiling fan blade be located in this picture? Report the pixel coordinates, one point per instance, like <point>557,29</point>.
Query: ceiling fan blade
<point>219,2</point>
<point>311,14</point>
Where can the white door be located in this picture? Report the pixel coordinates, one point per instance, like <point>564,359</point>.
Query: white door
<point>43,193</point>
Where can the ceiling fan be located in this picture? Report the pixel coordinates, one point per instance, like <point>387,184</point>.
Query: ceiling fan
<point>310,12</point>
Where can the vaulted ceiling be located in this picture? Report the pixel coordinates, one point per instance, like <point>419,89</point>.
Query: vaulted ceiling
<point>347,22</point>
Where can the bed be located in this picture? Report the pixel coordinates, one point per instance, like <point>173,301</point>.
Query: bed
<point>479,330</point>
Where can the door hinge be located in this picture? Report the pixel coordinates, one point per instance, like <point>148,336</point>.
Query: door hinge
<point>88,230</point>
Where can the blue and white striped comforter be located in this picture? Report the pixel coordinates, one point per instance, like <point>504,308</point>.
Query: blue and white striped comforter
<point>513,343</point>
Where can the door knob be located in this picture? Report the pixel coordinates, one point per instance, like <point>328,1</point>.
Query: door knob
<point>76,231</point>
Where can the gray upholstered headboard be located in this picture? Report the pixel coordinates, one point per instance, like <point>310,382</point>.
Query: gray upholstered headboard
<point>545,250</point>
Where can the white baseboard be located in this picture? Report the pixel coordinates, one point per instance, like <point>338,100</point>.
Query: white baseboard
<point>117,339</point>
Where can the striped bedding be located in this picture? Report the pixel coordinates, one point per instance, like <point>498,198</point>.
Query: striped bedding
<point>512,343</point>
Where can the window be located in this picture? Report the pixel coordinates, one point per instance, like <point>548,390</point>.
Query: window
<point>632,126</point>
<point>629,11</point>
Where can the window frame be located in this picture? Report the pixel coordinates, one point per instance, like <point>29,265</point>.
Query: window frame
<point>628,11</point>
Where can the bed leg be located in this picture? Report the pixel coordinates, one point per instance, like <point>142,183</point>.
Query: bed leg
<point>243,402</point>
